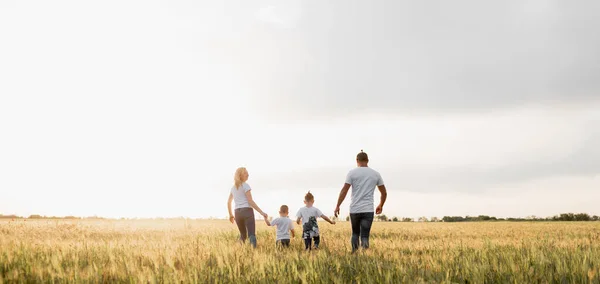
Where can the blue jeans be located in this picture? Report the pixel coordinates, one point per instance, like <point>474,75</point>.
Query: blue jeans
<point>244,218</point>
<point>361,227</point>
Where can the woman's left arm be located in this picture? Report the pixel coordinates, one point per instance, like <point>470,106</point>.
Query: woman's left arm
<point>253,204</point>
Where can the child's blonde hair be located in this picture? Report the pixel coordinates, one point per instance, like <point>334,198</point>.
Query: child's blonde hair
<point>237,177</point>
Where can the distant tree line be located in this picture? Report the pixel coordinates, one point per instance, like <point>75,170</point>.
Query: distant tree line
<point>481,218</point>
<point>35,216</point>
<point>384,218</point>
<point>560,217</point>
<point>9,217</point>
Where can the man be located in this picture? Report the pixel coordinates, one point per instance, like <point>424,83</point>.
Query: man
<point>363,181</point>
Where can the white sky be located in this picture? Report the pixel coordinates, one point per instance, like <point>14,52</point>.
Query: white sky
<point>146,108</point>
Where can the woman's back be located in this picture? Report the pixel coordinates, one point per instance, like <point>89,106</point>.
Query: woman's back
<point>239,195</point>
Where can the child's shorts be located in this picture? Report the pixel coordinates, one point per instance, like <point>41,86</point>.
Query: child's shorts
<point>283,243</point>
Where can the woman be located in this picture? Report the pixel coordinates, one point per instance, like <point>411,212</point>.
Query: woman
<point>244,204</point>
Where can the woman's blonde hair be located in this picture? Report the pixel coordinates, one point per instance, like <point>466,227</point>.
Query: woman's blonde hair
<point>237,177</point>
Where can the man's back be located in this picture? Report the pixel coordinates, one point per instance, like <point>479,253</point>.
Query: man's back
<point>363,181</point>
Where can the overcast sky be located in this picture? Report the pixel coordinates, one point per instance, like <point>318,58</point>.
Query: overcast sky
<point>146,108</point>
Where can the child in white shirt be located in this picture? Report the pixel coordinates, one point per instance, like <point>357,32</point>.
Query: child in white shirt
<point>310,228</point>
<point>284,225</point>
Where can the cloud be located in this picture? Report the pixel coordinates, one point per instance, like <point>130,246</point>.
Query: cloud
<point>540,197</point>
<point>157,107</point>
<point>390,56</point>
<point>282,14</point>
<point>469,153</point>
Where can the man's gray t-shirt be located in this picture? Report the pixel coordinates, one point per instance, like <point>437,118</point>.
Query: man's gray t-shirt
<point>363,181</point>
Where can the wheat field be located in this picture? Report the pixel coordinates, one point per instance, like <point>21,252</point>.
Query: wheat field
<point>196,251</point>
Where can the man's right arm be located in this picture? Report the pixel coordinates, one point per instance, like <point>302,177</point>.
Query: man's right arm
<point>341,198</point>
<point>383,192</point>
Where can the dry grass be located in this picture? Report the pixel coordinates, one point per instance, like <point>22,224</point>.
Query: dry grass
<point>206,251</point>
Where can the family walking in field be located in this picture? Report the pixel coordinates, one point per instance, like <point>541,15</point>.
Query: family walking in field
<point>362,180</point>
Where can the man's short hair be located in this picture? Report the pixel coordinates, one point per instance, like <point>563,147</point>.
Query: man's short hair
<point>362,157</point>
<point>284,209</point>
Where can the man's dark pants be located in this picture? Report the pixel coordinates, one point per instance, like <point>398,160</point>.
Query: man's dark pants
<point>361,229</point>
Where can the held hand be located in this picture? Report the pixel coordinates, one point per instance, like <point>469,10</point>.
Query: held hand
<point>379,209</point>
<point>265,215</point>
<point>231,219</point>
<point>336,212</point>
